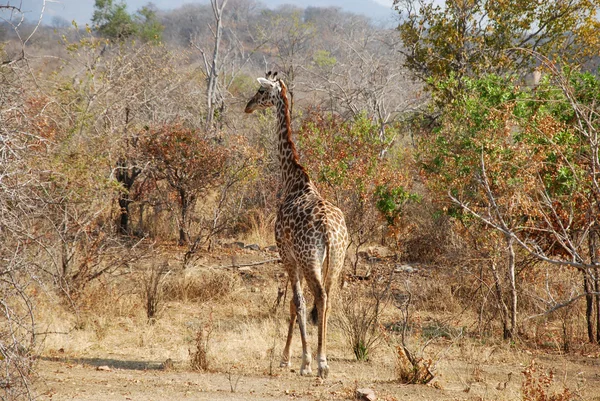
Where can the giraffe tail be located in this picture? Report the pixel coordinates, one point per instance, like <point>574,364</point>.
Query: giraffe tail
<point>314,315</point>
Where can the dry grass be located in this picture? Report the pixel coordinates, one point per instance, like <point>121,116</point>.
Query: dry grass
<point>199,357</point>
<point>224,321</point>
<point>200,286</point>
<point>259,229</point>
<point>539,385</point>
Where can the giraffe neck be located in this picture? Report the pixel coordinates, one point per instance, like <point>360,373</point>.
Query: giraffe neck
<point>293,175</point>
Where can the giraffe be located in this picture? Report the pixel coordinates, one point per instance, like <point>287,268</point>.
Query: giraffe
<point>310,232</point>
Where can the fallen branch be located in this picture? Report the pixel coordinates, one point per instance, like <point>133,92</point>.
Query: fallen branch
<point>236,265</point>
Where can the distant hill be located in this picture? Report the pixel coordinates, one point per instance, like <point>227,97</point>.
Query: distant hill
<point>82,10</point>
<point>370,8</point>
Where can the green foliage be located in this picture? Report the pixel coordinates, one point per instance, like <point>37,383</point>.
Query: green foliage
<point>390,201</point>
<point>324,59</point>
<point>112,20</point>
<point>149,28</point>
<point>477,37</point>
<point>345,159</point>
<point>361,351</point>
<point>526,145</point>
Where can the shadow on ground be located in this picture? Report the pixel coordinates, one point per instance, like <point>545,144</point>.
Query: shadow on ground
<point>111,363</point>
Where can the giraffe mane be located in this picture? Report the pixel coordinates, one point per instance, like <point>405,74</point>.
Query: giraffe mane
<point>289,126</point>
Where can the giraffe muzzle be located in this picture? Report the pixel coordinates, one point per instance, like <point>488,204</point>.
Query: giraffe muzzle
<point>250,107</point>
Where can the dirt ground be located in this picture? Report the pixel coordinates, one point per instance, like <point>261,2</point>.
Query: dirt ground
<point>117,355</point>
<point>106,379</point>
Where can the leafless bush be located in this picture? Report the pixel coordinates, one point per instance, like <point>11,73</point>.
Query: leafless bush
<point>20,245</point>
<point>410,369</point>
<point>18,336</point>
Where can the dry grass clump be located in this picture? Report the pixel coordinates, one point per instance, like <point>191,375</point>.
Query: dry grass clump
<point>200,286</point>
<point>199,356</point>
<point>360,313</point>
<point>152,288</point>
<point>103,302</point>
<point>258,228</point>
<point>411,370</point>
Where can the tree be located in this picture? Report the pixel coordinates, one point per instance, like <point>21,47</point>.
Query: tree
<point>112,20</point>
<point>185,23</point>
<point>213,67</point>
<point>362,73</point>
<point>523,162</point>
<point>292,37</point>
<point>474,37</point>
<point>148,26</point>
<point>191,166</point>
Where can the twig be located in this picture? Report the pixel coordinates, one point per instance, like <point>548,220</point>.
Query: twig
<point>237,265</point>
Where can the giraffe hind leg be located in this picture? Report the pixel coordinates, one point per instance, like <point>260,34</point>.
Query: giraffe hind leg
<point>321,302</point>
<point>285,359</point>
<point>300,304</point>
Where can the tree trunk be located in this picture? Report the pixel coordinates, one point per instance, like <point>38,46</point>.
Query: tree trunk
<point>213,73</point>
<point>597,304</point>
<point>594,259</point>
<point>501,304</point>
<point>513,285</point>
<point>124,220</point>
<point>183,234</point>
<point>590,285</point>
<point>126,176</point>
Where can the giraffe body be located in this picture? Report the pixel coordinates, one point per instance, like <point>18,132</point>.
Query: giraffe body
<point>310,232</point>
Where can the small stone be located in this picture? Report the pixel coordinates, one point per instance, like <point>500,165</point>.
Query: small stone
<point>252,247</point>
<point>365,394</point>
<point>272,248</point>
<point>104,368</point>
<point>405,269</point>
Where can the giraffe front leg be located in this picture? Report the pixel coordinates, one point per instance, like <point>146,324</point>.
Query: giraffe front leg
<point>300,305</point>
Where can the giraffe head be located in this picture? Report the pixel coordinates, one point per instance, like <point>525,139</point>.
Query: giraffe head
<point>269,90</point>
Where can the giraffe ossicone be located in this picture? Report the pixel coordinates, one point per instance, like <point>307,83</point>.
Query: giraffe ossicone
<point>310,232</point>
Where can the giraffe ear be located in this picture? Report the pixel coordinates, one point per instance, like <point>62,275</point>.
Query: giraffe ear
<point>265,83</point>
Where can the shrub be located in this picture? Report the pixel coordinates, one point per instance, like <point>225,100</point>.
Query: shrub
<point>360,315</point>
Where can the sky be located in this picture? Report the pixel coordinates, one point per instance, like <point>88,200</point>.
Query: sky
<point>81,10</point>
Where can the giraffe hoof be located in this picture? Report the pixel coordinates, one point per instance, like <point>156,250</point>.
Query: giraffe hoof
<point>323,371</point>
<point>305,371</point>
<point>284,364</point>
